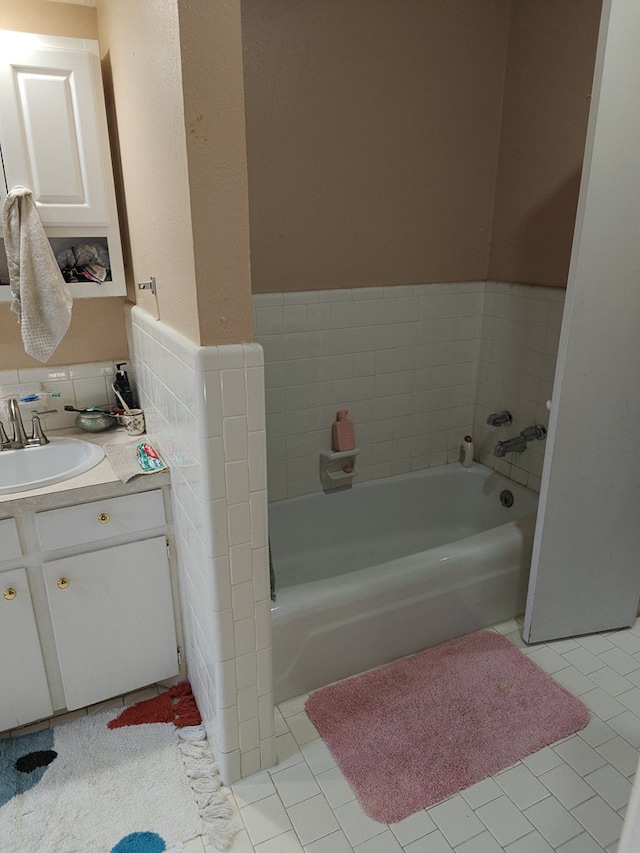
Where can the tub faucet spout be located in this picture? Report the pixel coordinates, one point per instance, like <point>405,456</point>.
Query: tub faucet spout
<point>519,443</point>
<point>511,445</point>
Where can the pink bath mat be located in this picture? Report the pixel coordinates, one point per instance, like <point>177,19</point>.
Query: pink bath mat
<point>413,732</point>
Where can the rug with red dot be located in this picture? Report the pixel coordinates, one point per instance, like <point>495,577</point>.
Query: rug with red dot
<point>120,781</point>
<point>177,706</point>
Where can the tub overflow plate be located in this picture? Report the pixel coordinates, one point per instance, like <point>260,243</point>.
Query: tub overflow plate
<point>506,498</point>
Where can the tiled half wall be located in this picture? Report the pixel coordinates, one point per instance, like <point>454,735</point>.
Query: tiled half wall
<point>418,367</point>
<point>205,408</point>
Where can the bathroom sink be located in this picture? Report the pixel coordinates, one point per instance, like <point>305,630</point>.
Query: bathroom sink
<point>36,467</point>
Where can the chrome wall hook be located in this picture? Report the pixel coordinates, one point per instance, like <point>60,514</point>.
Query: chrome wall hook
<point>148,285</point>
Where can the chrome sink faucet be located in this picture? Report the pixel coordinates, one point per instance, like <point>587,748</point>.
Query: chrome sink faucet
<point>519,442</point>
<point>19,438</point>
<point>15,419</point>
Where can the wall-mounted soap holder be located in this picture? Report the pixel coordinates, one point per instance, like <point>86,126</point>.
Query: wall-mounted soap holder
<point>337,468</point>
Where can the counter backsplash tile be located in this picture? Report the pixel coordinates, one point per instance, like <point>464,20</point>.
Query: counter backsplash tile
<point>78,385</point>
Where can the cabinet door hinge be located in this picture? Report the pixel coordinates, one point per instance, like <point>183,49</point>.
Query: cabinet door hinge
<point>179,653</point>
<point>168,549</point>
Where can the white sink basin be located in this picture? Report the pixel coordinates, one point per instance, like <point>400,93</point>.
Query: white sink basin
<point>35,467</point>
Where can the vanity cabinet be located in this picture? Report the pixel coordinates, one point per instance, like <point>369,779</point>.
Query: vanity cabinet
<point>54,140</point>
<point>87,611</point>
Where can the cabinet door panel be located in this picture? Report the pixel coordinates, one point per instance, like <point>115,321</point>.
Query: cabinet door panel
<point>9,542</point>
<point>48,134</point>
<point>25,692</point>
<point>113,620</point>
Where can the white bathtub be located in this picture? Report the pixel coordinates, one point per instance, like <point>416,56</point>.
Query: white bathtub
<point>393,566</point>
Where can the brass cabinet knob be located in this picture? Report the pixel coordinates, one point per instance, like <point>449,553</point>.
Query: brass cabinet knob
<point>10,593</point>
<point>64,583</point>
<point>104,517</point>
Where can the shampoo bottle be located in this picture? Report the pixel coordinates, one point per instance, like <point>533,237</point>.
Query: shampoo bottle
<point>342,433</point>
<point>466,452</point>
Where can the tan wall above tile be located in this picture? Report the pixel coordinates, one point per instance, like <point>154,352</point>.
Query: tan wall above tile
<point>53,19</point>
<point>144,95</point>
<point>97,333</point>
<point>374,134</point>
<point>214,118</point>
<point>177,96</point>
<point>552,48</point>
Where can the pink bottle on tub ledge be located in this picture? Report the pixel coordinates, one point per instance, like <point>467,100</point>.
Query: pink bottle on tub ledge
<point>342,433</point>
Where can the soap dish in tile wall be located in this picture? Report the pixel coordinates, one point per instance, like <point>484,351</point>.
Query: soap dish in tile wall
<point>337,468</point>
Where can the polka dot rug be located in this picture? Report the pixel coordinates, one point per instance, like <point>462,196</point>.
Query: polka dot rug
<point>134,780</point>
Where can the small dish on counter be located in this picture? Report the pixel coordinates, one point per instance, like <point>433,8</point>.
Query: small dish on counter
<point>94,420</point>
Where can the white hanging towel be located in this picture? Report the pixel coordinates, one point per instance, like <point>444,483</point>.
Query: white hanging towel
<point>41,297</point>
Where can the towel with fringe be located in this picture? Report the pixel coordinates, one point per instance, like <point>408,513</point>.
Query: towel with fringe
<point>41,298</point>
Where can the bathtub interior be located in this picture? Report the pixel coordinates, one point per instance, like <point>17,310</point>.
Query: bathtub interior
<point>327,535</point>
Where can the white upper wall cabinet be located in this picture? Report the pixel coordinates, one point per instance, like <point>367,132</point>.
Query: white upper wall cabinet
<point>49,134</point>
<point>54,140</point>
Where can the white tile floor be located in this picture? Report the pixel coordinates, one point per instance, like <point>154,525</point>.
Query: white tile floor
<point>569,798</point>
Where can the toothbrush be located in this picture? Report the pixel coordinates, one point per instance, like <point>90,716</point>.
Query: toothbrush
<point>122,402</point>
<point>89,409</point>
<point>40,395</point>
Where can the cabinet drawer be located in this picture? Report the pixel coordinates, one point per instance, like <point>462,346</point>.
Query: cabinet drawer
<point>10,544</point>
<point>99,520</point>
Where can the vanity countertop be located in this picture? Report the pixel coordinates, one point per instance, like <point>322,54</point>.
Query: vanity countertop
<point>99,482</point>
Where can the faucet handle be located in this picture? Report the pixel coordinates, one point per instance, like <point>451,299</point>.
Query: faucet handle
<point>538,431</point>
<point>4,438</point>
<point>37,433</point>
<point>503,418</point>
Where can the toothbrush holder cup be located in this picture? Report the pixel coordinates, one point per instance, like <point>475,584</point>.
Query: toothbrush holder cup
<point>133,421</point>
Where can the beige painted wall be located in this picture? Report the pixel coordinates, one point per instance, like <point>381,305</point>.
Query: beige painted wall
<point>97,331</point>
<point>140,44</point>
<point>372,135</point>
<point>54,19</point>
<point>175,71</point>
<point>552,45</point>
<point>213,91</point>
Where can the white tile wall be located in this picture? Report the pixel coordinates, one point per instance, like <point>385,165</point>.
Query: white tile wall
<point>417,367</point>
<point>520,334</point>
<point>205,408</point>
